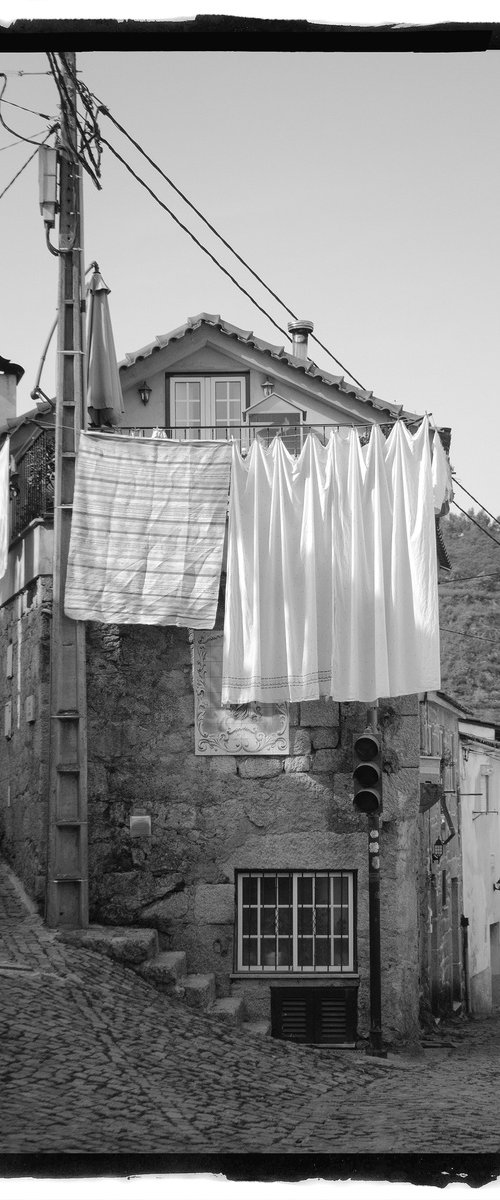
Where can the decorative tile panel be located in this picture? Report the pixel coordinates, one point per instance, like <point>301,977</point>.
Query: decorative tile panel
<point>238,729</point>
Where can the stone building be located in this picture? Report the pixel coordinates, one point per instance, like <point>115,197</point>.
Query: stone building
<point>233,835</point>
<point>441,902</point>
<point>480,802</point>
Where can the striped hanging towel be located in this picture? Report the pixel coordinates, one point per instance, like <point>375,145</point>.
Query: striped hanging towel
<point>147,534</point>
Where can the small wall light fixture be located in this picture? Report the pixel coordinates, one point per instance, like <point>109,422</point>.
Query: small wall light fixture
<point>437,850</point>
<point>144,392</point>
<point>496,886</point>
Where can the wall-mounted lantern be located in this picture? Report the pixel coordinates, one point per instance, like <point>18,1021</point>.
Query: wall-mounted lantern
<point>144,392</point>
<point>437,850</point>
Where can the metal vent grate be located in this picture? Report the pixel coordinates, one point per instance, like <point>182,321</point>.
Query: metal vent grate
<point>323,1016</point>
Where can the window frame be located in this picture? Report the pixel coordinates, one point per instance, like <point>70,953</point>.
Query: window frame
<point>296,969</point>
<point>208,381</point>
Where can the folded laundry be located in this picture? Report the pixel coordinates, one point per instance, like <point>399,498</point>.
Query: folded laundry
<point>332,574</point>
<point>148,528</point>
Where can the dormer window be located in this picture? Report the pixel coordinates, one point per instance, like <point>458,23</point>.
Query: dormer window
<point>208,405</point>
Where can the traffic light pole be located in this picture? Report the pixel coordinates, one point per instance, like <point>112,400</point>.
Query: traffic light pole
<point>375,1045</point>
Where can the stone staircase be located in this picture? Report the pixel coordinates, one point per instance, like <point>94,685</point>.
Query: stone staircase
<point>165,970</point>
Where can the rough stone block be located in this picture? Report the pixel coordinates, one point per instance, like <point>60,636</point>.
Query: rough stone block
<point>300,741</point>
<point>214,903</point>
<point>259,768</point>
<point>298,763</point>
<point>325,739</point>
<point>222,764</point>
<point>199,990</point>
<point>324,760</point>
<point>318,712</point>
<point>166,970</point>
<point>229,1009</point>
<point>163,912</point>
<point>123,944</point>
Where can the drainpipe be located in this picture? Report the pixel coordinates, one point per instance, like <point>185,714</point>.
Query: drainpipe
<point>464,922</point>
<point>375,1045</point>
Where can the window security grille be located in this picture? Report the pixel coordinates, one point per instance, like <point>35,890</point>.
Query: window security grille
<point>295,921</point>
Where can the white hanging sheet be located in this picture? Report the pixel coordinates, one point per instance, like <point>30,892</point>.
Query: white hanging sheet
<point>332,574</point>
<point>147,535</point>
<point>4,505</point>
<point>442,479</point>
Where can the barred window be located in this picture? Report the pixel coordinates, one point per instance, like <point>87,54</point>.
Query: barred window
<point>295,921</point>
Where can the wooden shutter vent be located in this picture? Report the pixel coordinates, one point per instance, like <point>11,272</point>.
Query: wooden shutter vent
<point>322,1016</point>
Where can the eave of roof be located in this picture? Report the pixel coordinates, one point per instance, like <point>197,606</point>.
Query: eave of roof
<point>32,416</point>
<point>247,337</point>
<point>11,368</point>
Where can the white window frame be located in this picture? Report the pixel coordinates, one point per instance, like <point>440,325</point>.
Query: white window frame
<point>294,968</point>
<point>208,423</point>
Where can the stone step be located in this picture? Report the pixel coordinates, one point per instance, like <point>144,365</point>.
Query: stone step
<point>121,942</point>
<point>198,991</point>
<point>167,971</point>
<point>229,1009</point>
<point>256,1028</point>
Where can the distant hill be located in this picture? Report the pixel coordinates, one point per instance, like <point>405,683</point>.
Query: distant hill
<point>470,654</point>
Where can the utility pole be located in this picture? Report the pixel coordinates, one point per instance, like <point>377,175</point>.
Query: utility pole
<point>67,866</point>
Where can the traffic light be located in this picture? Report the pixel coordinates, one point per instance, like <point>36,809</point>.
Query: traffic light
<point>367,773</point>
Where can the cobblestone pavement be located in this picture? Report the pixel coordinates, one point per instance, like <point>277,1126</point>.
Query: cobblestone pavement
<point>93,1060</point>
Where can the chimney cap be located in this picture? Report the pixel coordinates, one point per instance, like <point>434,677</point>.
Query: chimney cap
<point>302,326</point>
<point>9,368</point>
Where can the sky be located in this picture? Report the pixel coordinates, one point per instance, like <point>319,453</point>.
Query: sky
<point>362,187</point>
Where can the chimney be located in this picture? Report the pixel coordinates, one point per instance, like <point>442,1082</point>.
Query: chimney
<point>300,331</point>
<point>10,374</point>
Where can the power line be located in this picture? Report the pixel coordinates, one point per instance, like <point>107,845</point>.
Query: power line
<point>19,140</point>
<point>15,132</point>
<point>465,578</point>
<point>103,108</point>
<point>481,506</point>
<point>23,168</point>
<point>458,633</point>
<point>89,132</point>
<point>36,111</point>
<point>474,522</point>
<point>26,72</point>
<point>192,236</point>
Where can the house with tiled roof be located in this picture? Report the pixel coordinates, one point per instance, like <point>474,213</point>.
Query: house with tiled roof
<point>210,375</point>
<point>229,833</point>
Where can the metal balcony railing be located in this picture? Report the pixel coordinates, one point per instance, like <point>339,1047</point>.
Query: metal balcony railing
<point>32,483</point>
<point>293,436</point>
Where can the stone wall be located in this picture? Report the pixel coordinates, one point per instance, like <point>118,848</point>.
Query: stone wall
<point>24,733</point>
<point>440,883</point>
<point>212,815</point>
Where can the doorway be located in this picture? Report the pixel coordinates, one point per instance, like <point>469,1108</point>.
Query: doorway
<point>495,963</point>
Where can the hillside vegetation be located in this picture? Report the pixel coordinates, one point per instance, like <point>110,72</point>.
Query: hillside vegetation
<point>470,654</point>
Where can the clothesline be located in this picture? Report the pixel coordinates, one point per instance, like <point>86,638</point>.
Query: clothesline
<point>290,429</point>
<point>331,564</point>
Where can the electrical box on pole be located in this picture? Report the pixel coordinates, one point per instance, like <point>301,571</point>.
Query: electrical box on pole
<point>67,868</point>
<point>47,183</point>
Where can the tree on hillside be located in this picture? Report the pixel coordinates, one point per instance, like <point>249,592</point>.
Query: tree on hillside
<point>469,607</point>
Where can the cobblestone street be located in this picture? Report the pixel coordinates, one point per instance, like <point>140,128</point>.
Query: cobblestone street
<point>94,1060</point>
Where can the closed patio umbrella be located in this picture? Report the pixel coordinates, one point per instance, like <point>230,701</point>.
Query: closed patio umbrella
<point>104,393</point>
